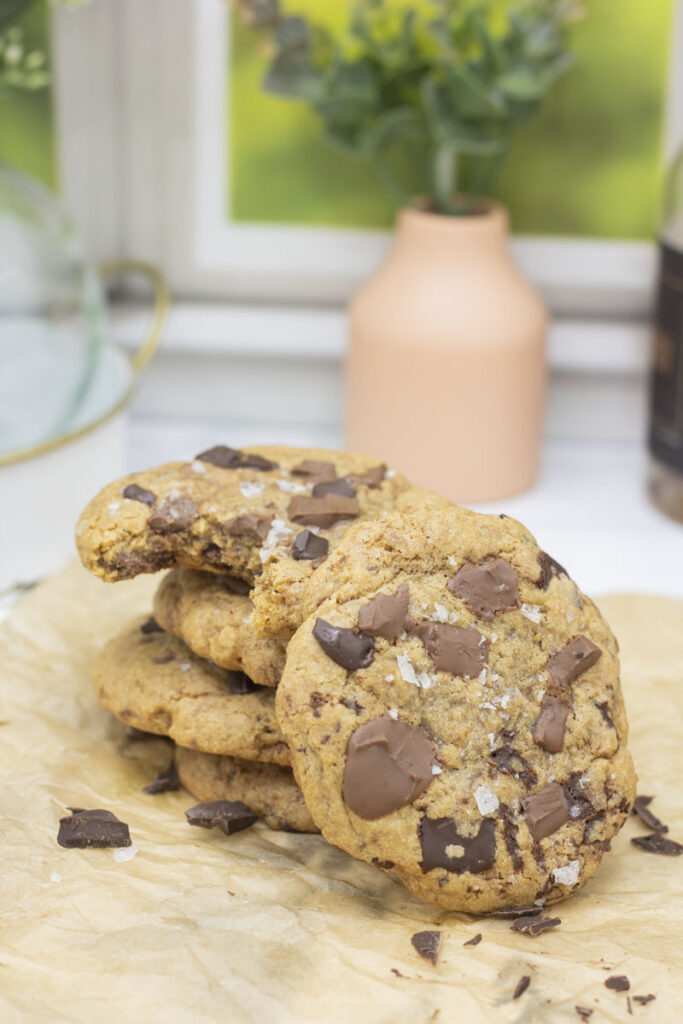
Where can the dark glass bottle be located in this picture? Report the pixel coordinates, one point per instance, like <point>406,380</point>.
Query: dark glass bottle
<point>666,378</point>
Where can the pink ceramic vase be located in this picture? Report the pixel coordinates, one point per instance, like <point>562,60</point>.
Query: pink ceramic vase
<point>446,366</point>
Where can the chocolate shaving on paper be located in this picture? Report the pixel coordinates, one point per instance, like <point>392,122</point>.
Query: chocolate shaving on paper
<point>650,820</point>
<point>229,816</point>
<point>534,925</point>
<point>644,1000</point>
<point>513,912</point>
<point>427,945</point>
<point>521,986</point>
<point>657,843</point>
<point>618,982</point>
<point>164,782</point>
<point>474,941</point>
<point>584,1012</point>
<point>96,829</point>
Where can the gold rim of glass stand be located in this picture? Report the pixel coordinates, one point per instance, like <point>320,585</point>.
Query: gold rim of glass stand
<point>139,360</point>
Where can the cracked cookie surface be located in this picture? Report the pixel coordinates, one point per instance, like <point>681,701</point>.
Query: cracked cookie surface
<point>268,515</point>
<point>268,789</point>
<point>152,681</point>
<point>215,622</point>
<point>454,711</point>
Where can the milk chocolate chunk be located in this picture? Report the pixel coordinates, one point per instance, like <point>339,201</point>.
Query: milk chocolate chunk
<point>546,811</point>
<point>549,569</point>
<point>388,765</point>
<point>163,782</point>
<point>255,527</point>
<point>349,648</point>
<point>550,725</point>
<point>135,493</point>
<point>650,820</point>
<point>534,925</point>
<point>461,651</point>
<point>98,829</point>
<point>339,486</point>
<point>151,625</point>
<point>232,458</point>
<point>618,982</point>
<point>174,515</point>
<point>372,477</point>
<point>227,815</point>
<point>315,469</point>
<point>323,512</point>
<point>427,945</point>
<point>386,614</point>
<point>444,847</point>
<point>487,588</point>
<point>233,583</point>
<point>308,545</point>
<point>657,843</point>
<point>573,660</point>
<point>521,986</point>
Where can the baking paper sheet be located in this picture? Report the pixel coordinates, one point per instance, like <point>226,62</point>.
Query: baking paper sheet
<point>262,926</point>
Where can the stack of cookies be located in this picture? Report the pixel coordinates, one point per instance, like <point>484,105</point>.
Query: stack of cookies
<point>447,698</point>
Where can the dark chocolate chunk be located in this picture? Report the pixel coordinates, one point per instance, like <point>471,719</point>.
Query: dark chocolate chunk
<point>513,912</point>
<point>650,820</point>
<point>352,704</point>
<point>255,527</point>
<point>474,941</point>
<point>228,815</point>
<point>534,925</point>
<point>174,515</point>
<point>550,724</point>
<point>573,660</point>
<point>164,782</point>
<point>315,469</point>
<point>521,986</point>
<point>657,843</point>
<point>386,614</point>
<point>98,829</point>
<point>461,651</point>
<point>427,944</point>
<point>584,1012</point>
<point>233,583</point>
<point>308,546</point>
<point>164,658</point>
<point>239,683</point>
<point>135,493</point>
<point>549,569</point>
<point>546,811</point>
<point>644,1000</point>
<point>151,625</point>
<point>439,835</point>
<point>602,707</point>
<point>340,486</point>
<point>388,765</point>
<point>316,701</point>
<point>510,836</point>
<point>618,982</point>
<point>323,512</point>
<point>349,648</point>
<point>372,477</point>
<point>232,458</point>
<point>487,588</point>
<point>385,865</point>
<point>509,761</point>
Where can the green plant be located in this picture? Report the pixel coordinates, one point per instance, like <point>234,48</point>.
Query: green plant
<point>22,66</point>
<point>428,90</point>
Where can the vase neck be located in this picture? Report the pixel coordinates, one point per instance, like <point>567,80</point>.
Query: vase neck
<point>433,234</point>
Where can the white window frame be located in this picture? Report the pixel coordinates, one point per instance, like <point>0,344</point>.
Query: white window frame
<point>141,102</point>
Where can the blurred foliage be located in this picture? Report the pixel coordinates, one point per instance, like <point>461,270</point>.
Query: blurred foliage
<point>427,90</point>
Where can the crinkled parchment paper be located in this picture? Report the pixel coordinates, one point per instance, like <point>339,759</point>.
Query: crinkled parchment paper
<point>262,926</point>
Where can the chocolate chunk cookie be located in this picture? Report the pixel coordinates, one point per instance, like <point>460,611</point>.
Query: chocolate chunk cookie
<point>152,681</point>
<point>268,516</point>
<point>211,613</point>
<point>269,790</point>
<point>454,711</point>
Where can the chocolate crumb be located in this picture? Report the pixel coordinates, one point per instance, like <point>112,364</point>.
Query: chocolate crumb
<point>151,626</point>
<point>474,941</point>
<point>644,1000</point>
<point>650,820</point>
<point>628,1004</point>
<point>510,912</point>
<point>521,986</point>
<point>427,945</point>
<point>395,970</point>
<point>618,983</point>
<point>534,925</point>
<point>657,843</point>
<point>228,815</point>
<point>92,829</point>
<point>163,782</point>
<point>584,1012</point>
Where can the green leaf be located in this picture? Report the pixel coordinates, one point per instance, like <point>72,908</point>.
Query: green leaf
<point>294,76</point>
<point>521,84</point>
